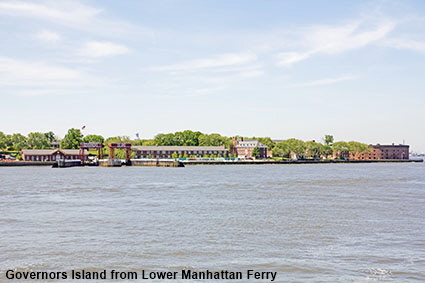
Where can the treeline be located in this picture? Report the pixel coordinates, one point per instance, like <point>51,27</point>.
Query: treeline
<point>284,148</point>
<point>317,150</point>
<point>35,140</point>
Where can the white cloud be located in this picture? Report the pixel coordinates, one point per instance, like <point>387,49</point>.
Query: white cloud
<point>334,40</point>
<point>102,48</point>
<point>71,14</point>
<point>66,13</point>
<point>17,72</point>
<point>328,81</point>
<point>399,43</point>
<point>289,58</point>
<point>222,60</point>
<point>48,36</point>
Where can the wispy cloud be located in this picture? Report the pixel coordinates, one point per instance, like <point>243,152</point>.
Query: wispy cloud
<point>399,43</point>
<point>334,40</point>
<point>18,72</point>
<point>48,36</point>
<point>67,13</point>
<point>39,78</point>
<point>102,49</point>
<point>327,81</point>
<point>71,14</point>
<point>217,61</point>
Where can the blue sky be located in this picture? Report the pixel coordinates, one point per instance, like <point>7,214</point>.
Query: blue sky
<point>353,69</point>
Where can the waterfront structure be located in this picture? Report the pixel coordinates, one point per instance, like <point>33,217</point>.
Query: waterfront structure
<point>145,151</point>
<point>379,152</point>
<point>52,154</point>
<point>244,148</point>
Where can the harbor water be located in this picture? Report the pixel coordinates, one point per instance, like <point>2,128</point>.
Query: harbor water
<point>307,223</point>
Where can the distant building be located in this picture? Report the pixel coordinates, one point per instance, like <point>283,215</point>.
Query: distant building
<point>55,144</point>
<point>379,152</point>
<point>243,148</point>
<point>144,151</point>
<point>52,154</point>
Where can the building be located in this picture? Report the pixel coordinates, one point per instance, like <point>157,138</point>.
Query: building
<point>243,148</point>
<point>52,154</point>
<point>181,151</point>
<point>379,152</point>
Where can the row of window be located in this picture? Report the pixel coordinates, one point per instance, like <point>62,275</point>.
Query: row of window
<point>50,158</point>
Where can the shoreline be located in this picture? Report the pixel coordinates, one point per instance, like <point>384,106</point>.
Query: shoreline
<point>227,162</point>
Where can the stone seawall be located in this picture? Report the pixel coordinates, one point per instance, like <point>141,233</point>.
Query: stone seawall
<point>261,162</point>
<point>157,162</point>
<point>27,163</point>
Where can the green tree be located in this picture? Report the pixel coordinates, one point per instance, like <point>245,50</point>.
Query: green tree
<point>341,148</point>
<point>72,139</point>
<point>119,153</point>
<point>282,149</point>
<point>357,147</point>
<point>267,141</point>
<point>38,141</point>
<point>327,151</point>
<point>314,149</point>
<point>256,152</point>
<point>94,138</point>
<point>3,141</point>
<point>17,142</point>
<point>295,146</point>
<point>51,136</point>
<point>214,140</point>
<point>328,139</point>
<point>148,142</point>
<point>165,139</point>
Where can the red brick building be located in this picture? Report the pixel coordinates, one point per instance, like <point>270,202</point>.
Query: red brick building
<point>379,152</point>
<point>52,154</point>
<point>168,151</point>
<point>243,148</point>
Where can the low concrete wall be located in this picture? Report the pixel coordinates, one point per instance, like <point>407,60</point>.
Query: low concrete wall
<point>261,162</point>
<point>157,162</point>
<point>27,163</point>
<point>110,163</point>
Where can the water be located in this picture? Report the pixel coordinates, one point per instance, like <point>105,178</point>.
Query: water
<point>308,223</point>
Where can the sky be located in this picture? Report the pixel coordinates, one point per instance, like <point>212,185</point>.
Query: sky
<point>283,69</point>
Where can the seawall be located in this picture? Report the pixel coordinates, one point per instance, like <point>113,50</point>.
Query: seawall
<point>283,162</point>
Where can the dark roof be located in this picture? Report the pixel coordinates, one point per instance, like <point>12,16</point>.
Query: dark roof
<point>52,151</point>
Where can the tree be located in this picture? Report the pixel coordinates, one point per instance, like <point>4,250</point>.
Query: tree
<point>314,149</point>
<point>357,148</point>
<point>165,139</point>
<point>72,139</point>
<point>267,141</point>
<point>38,140</point>
<point>94,138</point>
<point>17,142</point>
<point>327,151</point>
<point>328,139</point>
<point>3,141</point>
<point>214,140</point>
<point>119,153</point>
<point>341,148</point>
<point>255,152</point>
<point>296,146</point>
<point>281,149</point>
<point>51,136</point>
